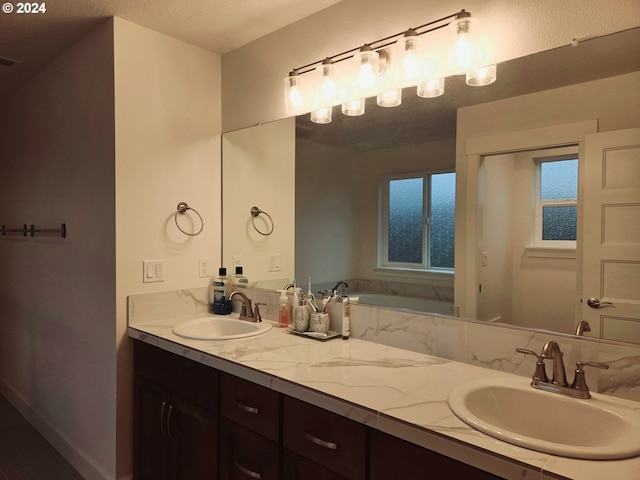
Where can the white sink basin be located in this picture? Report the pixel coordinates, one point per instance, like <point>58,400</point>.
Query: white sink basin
<point>513,411</point>
<point>215,327</point>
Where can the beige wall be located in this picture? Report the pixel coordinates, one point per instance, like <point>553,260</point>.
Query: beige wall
<point>252,84</point>
<point>57,296</point>
<point>167,132</point>
<point>259,170</point>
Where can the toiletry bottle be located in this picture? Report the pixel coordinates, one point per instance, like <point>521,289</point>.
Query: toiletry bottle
<point>239,279</point>
<point>283,310</point>
<point>295,299</point>
<point>301,316</point>
<point>220,304</point>
<point>346,331</point>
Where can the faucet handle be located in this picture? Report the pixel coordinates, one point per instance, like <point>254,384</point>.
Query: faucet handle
<point>579,382</point>
<point>540,373</point>
<point>256,312</point>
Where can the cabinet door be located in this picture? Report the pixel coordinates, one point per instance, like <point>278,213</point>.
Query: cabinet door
<point>299,468</point>
<point>193,432</point>
<point>245,455</point>
<point>391,457</point>
<point>152,445</point>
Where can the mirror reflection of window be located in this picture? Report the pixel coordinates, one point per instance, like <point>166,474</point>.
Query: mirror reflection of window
<point>556,201</point>
<point>418,216</point>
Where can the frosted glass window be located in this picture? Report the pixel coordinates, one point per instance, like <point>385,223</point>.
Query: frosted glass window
<point>443,208</point>
<point>556,207</point>
<point>406,220</point>
<point>559,180</point>
<point>559,223</point>
<point>418,215</point>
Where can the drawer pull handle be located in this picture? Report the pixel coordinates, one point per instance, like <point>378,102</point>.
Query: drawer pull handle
<point>162,429</point>
<point>246,471</point>
<point>169,434</point>
<point>247,408</point>
<point>322,443</point>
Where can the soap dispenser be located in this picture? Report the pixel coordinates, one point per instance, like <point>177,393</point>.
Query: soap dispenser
<point>220,305</point>
<point>284,314</point>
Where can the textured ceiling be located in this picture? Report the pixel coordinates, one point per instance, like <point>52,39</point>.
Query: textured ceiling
<point>216,25</point>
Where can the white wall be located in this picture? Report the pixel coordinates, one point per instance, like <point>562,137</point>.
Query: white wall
<point>252,86</point>
<point>167,133</point>
<point>259,170</point>
<point>57,296</point>
<point>612,101</point>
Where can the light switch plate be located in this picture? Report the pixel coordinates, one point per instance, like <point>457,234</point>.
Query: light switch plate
<point>152,271</point>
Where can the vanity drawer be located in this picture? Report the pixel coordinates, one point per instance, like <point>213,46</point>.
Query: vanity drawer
<point>193,380</point>
<point>330,440</point>
<point>253,406</point>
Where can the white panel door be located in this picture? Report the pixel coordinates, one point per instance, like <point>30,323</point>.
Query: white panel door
<point>611,245</point>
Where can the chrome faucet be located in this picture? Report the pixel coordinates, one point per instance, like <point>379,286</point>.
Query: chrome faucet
<point>246,312</point>
<point>582,327</point>
<point>341,283</point>
<point>558,384</point>
<point>552,350</point>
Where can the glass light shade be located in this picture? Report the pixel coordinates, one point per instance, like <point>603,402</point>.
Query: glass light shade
<point>293,95</point>
<point>482,76</point>
<point>353,108</point>
<point>410,70</point>
<point>465,53</point>
<point>327,90</point>
<point>321,115</point>
<point>392,98</point>
<point>368,65</point>
<point>431,88</point>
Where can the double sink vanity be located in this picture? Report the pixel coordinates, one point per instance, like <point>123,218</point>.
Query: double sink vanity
<point>268,404</point>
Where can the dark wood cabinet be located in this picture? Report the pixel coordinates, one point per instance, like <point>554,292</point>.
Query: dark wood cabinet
<point>327,439</point>
<point>193,422</point>
<point>176,438</point>
<point>391,457</point>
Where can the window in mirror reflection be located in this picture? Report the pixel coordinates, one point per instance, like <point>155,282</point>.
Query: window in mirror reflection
<point>418,212</point>
<point>556,208</point>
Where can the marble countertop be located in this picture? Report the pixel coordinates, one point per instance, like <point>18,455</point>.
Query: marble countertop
<point>396,391</point>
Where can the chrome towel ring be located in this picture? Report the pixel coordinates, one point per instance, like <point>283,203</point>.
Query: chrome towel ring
<point>255,211</point>
<point>182,209</point>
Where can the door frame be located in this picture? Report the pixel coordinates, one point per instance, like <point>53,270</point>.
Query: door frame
<point>466,262</point>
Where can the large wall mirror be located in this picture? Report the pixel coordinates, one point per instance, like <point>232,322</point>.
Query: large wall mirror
<point>324,186</point>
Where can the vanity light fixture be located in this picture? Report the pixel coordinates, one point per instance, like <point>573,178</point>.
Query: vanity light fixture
<point>384,67</point>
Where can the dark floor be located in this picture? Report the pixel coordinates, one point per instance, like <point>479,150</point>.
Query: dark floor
<point>25,454</point>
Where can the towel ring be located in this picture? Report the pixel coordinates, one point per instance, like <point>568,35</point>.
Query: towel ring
<point>255,211</point>
<point>182,209</point>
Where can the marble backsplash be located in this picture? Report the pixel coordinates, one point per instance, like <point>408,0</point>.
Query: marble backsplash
<point>477,343</point>
<point>389,287</point>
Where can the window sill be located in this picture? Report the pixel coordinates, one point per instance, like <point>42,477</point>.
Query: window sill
<point>537,251</point>
<point>434,277</point>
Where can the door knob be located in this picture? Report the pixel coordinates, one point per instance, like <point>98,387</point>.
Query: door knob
<point>594,302</point>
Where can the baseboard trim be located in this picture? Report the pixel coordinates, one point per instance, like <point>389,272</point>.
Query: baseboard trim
<point>70,452</point>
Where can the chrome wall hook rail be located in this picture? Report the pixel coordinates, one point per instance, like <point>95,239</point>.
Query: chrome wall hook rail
<point>32,230</point>
<point>182,209</point>
<point>255,211</point>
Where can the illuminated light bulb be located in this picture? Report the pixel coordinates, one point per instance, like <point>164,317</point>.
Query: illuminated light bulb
<point>482,76</point>
<point>293,98</point>
<point>368,65</point>
<point>321,115</point>
<point>410,68</point>
<point>392,98</point>
<point>465,53</point>
<point>431,88</point>
<point>328,92</point>
<point>353,108</point>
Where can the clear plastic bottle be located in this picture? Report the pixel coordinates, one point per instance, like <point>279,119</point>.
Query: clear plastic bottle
<point>221,305</point>
<point>239,279</point>
<point>284,315</point>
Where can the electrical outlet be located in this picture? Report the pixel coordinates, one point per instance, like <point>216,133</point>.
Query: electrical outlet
<point>237,261</point>
<point>204,267</point>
